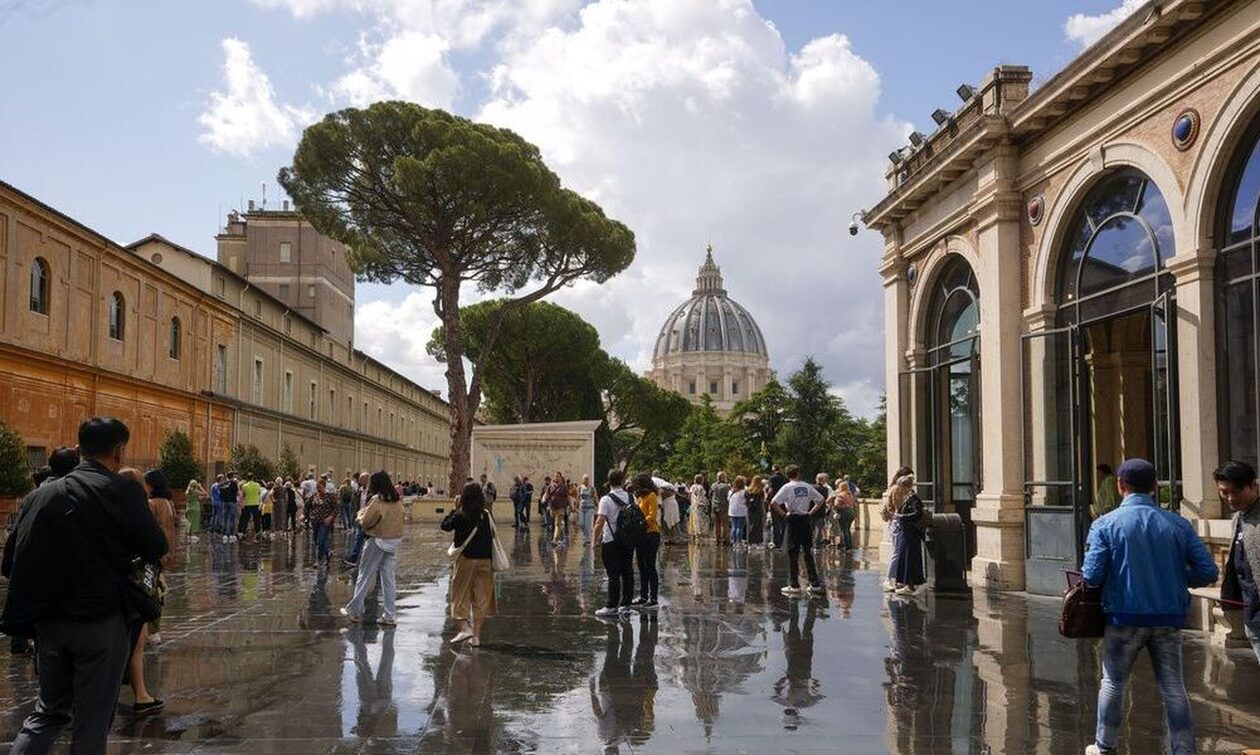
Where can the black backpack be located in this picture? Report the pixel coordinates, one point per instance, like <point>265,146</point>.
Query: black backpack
<point>631,529</point>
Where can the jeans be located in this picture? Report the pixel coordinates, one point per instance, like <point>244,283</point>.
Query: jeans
<point>1120,650</point>
<point>229,518</point>
<point>739,526</point>
<point>798,535</point>
<point>819,526</point>
<point>587,517</point>
<point>323,541</point>
<point>216,516</point>
<point>778,526</point>
<point>649,578</point>
<point>375,561</point>
<point>80,668</point>
<point>846,517</point>
<point>560,525</point>
<point>619,565</point>
<point>347,514</point>
<point>251,514</point>
<point>360,537</point>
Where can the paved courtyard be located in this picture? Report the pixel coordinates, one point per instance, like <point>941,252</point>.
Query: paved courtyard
<point>257,660</point>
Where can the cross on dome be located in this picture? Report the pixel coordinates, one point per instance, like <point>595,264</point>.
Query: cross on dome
<point>709,280</point>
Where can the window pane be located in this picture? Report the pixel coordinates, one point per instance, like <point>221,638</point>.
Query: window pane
<point>1236,264</point>
<point>1115,195</point>
<point>1154,210</point>
<point>1239,410</point>
<point>1120,251</point>
<point>1048,446</point>
<point>1243,216</point>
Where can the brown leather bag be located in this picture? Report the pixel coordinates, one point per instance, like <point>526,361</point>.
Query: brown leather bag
<point>1082,612</point>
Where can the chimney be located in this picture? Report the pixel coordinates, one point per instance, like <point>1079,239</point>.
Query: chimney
<point>251,205</point>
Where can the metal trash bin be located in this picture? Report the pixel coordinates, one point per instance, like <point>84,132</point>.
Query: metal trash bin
<point>946,544</point>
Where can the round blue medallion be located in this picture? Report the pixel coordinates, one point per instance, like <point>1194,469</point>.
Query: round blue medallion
<point>1185,129</point>
<point>912,273</point>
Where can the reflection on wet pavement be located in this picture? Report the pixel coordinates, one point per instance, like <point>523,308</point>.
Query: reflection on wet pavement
<point>258,660</point>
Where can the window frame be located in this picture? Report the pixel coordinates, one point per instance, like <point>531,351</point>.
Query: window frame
<point>40,300</point>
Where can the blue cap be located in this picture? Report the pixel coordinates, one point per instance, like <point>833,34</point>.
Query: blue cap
<point>1139,474</point>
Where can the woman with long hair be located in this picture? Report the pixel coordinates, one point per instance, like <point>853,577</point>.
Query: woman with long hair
<point>159,493</point>
<point>843,512</point>
<point>756,501</point>
<point>472,566</point>
<point>699,528</point>
<point>646,497</point>
<point>586,509</point>
<point>893,498</point>
<point>737,512</point>
<point>192,511</point>
<point>913,518</point>
<point>382,521</point>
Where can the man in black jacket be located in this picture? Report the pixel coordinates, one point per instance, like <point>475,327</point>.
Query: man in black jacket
<point>72,548</point>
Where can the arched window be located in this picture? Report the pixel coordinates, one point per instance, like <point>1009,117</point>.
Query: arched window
<point>173,350</point>
<point>41,282</point>
<point>1117,244</point>
<point>954,314</point>
<point>117,316</point>
<point>1238,285</point>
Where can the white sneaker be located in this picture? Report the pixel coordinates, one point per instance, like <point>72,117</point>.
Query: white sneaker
<point>225,538</point>
<point>817,589</point>
<point>232,538</point>
<point>904,590</point>
<point>607,611</point>
<point>1093,750</point>
<point>889,585</point>
<point>789,590</point>
<point>195,539</point>
<point>155,638</point>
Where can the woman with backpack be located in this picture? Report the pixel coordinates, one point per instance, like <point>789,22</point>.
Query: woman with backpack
<point>616,553</point>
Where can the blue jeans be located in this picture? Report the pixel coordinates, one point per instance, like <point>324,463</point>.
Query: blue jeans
<point>323,541</point>
<point>229,518</point>
<point>360,537</point>
<point>739,529</point>
<point>376,560</point>
<point>1120,651</point>
<point>216,516</point>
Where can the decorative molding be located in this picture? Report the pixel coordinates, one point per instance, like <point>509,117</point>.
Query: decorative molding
<point>1185,129</point>
<point>1036,210</point>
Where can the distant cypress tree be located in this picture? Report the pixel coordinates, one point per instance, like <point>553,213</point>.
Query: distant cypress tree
<point>289,466</point>
<point>15,470</point>
<point>248,461</point>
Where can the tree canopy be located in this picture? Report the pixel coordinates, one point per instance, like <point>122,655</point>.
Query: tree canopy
<point>433,199</point>
<point>15,470</point>
<point>177,460</point>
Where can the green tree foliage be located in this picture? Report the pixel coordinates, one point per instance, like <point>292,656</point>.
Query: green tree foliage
<point>811,437</point>
<point>436,200</point>
<point>643,418</point>
<point>542,363</point>
<point>868,463</point>
<point>248,461</point>
<point>177,460</point>
<point>288,466</point>
<point>707,443</point>
<point>15,470</point>
<point>763,415</point>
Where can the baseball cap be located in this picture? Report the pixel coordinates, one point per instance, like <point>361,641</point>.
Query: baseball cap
<point>1138,473</point>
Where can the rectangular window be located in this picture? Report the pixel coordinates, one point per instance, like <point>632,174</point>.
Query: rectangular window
<point>349,411</point>
<point>219,287</point>
<point>258,308</point>
<point>691,388</point>
<point>311,401</point>
<point>220,369</point>
<point>288,325</point>
<point>713,389</point>
<point>286,403</point>
<point>363,423</point>
<point>380,421</point>
<point>734,388</point>
<point>332,406</point>
<point>258,381</point>
<point>310,292</point>
<point>284,291</point>
<point>286,251</point>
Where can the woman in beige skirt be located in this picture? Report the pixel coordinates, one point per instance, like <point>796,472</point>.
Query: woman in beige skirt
<point>472,569</point>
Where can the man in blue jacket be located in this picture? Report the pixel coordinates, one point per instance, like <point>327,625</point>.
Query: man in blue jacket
<point>1144,558</point>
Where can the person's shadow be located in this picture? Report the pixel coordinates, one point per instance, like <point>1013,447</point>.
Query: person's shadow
<point>797,689</point>
<point>623,698</point>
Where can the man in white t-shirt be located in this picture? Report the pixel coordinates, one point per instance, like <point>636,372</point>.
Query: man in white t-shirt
<point>618,561</point>
<point>797,501</point>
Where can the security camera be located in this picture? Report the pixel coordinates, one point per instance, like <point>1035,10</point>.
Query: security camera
<point>853,222</point>
<point>853,228</point>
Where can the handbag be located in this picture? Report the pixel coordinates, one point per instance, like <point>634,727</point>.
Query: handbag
<point>499,557</point>
<point>453,553</point>
<point>1082,615</point>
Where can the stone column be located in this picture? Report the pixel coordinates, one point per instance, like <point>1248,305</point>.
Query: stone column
<point>999,511</point>
<point>896,332</point>
<point>1196,376</point>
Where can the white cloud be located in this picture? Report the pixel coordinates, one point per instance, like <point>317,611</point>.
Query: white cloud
<point>245,117</point>
<point>1085,30</point>
<point>691,122</point>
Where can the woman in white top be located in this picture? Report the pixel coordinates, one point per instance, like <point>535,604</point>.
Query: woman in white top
<point>737,510</point>
<point>669,512</point>
<point>699,524</point>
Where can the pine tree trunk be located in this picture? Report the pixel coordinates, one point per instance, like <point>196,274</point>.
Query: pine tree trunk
<point>460,401</point>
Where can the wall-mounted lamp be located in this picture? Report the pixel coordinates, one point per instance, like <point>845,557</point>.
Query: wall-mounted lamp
<point>965,92</point>
<point>940,116</point>
<point>917,138</point>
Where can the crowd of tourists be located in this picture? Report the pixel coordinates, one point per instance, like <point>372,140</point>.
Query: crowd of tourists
<point>89,546</point>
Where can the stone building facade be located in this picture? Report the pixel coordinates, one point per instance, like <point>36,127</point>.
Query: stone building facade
<point>710,345</point>
<point>1070,280</point>
<point>164,338</point>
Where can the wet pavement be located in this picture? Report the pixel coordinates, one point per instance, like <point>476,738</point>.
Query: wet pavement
<point>256,659</point>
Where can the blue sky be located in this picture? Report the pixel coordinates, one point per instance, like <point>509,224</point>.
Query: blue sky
<point>105,109</point>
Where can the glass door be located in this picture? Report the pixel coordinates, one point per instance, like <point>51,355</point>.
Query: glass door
<point>1055,501</point>
<point>1167,441</point>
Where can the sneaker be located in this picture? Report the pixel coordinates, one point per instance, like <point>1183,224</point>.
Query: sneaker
<point>352,617</point>
<point>818,589</point>
<point>194,539</point>
<point>607,611</point>
<point>155,638</point>
<point>232,538</point>
<point>225,539</point>
<point>651,605</point>
<point>388,621</point>
<point>790,590</point>
<point>637,602</point>
<point>889,585</point>
<point>626,610</point>
<point>1093,750</point>
<point>904,590</point>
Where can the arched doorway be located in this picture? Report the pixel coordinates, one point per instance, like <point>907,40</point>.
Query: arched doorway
<point>947,433</point>
<point>1100,379</point>
<point>1238,285</point>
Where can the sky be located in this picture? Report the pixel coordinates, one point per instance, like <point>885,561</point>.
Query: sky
<point>759,126</point>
